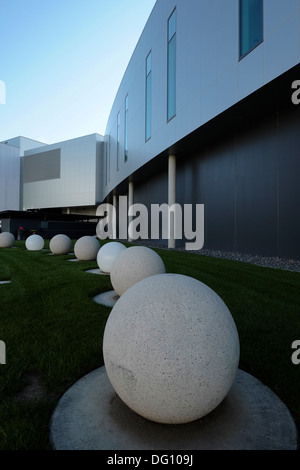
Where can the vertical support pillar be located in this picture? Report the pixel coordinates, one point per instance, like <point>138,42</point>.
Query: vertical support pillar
<point>114,218</point>
<point>130,202</point>
<point>172,199</point>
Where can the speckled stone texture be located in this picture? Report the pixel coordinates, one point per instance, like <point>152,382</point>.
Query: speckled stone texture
<point>108,254</point>
<point>134,264</point>
<point>7,240</point>
<point>86,248</point>
<point>171,349</point>
<point>34,243</point>
<point>60,244</point>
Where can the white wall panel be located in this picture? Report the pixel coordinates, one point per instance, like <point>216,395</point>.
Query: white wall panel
<point>251,72</point>
<point>9,178</point>
<point>76,185</point>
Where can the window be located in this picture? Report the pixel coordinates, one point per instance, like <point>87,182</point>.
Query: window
<point>118,139</point>
<point>148,96</point>
<point>251,25</point>
<point>126,130</point>
<point>172,65</point>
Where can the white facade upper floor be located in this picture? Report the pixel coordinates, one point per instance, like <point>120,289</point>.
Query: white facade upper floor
<point>194,60</point>
<point>217,62</point>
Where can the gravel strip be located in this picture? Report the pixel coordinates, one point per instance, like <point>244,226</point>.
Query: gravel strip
<point>266,262</point>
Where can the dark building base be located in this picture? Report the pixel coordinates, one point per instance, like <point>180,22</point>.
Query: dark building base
<point>24,223</point>
<point>244,166</point>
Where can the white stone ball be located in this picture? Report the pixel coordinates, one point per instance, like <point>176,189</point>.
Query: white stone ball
<point>7,240</point>
<point>86,248</point>
<point>171,349</point>
<point>34,243</point>
<point>60,244</point>
<point>134,264</point>
<point>108,254</point>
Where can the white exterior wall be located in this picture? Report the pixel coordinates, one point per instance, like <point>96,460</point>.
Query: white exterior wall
<point>23,144</point>
<point>9,177</point>
<point>210,77</point>
<point>80,171</point>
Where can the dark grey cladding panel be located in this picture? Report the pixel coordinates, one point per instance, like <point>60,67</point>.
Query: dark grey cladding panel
<point>42,166</point>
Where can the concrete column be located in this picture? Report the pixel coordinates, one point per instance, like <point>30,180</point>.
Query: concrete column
<point>172,197</point>
<point>130,202</point>
<point>114,218</point>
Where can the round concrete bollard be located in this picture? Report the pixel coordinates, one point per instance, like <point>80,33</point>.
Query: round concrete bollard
<point>86,248</point>
<point>133,265</point>
<point>60,244</point>
<point>34,243</point>
<point>108,254</point>
<point>7,240</point>
<point>171,349</point>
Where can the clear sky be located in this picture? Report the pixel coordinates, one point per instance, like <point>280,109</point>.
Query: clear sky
<point>62,61</point>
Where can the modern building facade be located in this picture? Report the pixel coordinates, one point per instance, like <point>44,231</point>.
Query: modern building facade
<point>11,152</point>
<point>206,113</point>
<point>66,175</point>
<point>210,84</point>
<point>63,177</point>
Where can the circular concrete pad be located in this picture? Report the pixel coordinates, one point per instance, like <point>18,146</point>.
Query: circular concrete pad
<point>97,271</point>
<point>90,416</point>
<point>107,298</point>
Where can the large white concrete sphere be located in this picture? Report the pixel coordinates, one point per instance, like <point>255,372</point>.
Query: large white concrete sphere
<point>171,349</point>
<point>7,240</point>
<point>86,248</point>
<point>134,264</point>
<point>34,243</point>
<point>108,254</point>
<point>60,244</point>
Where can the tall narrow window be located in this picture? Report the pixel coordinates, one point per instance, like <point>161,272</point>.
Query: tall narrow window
<point>148,95</point>
<point>172,66</point>
<point>118,139</point>
<point>251,25</point>
<point>126,130</point>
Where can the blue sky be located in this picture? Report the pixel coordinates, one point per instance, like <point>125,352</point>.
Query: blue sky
<point>62,62</point>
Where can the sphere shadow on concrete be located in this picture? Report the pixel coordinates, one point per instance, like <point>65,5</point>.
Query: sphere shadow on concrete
<point>7,240</point>
<point>171,348</point>
<point>86,248</point>
<point>107,255</point>
<point>134,264</point>
<point>97,271</point>
<point>108,299</point>
<point>34,243</point>
<point>60,244</point>
<point>91,416</point>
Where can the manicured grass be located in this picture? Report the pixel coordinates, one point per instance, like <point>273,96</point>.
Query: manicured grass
<point>53,330</point>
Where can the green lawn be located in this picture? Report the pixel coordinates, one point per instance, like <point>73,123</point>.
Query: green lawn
<point>53,330</point>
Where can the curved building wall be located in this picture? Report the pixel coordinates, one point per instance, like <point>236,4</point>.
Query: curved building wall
<point>211,76</point>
